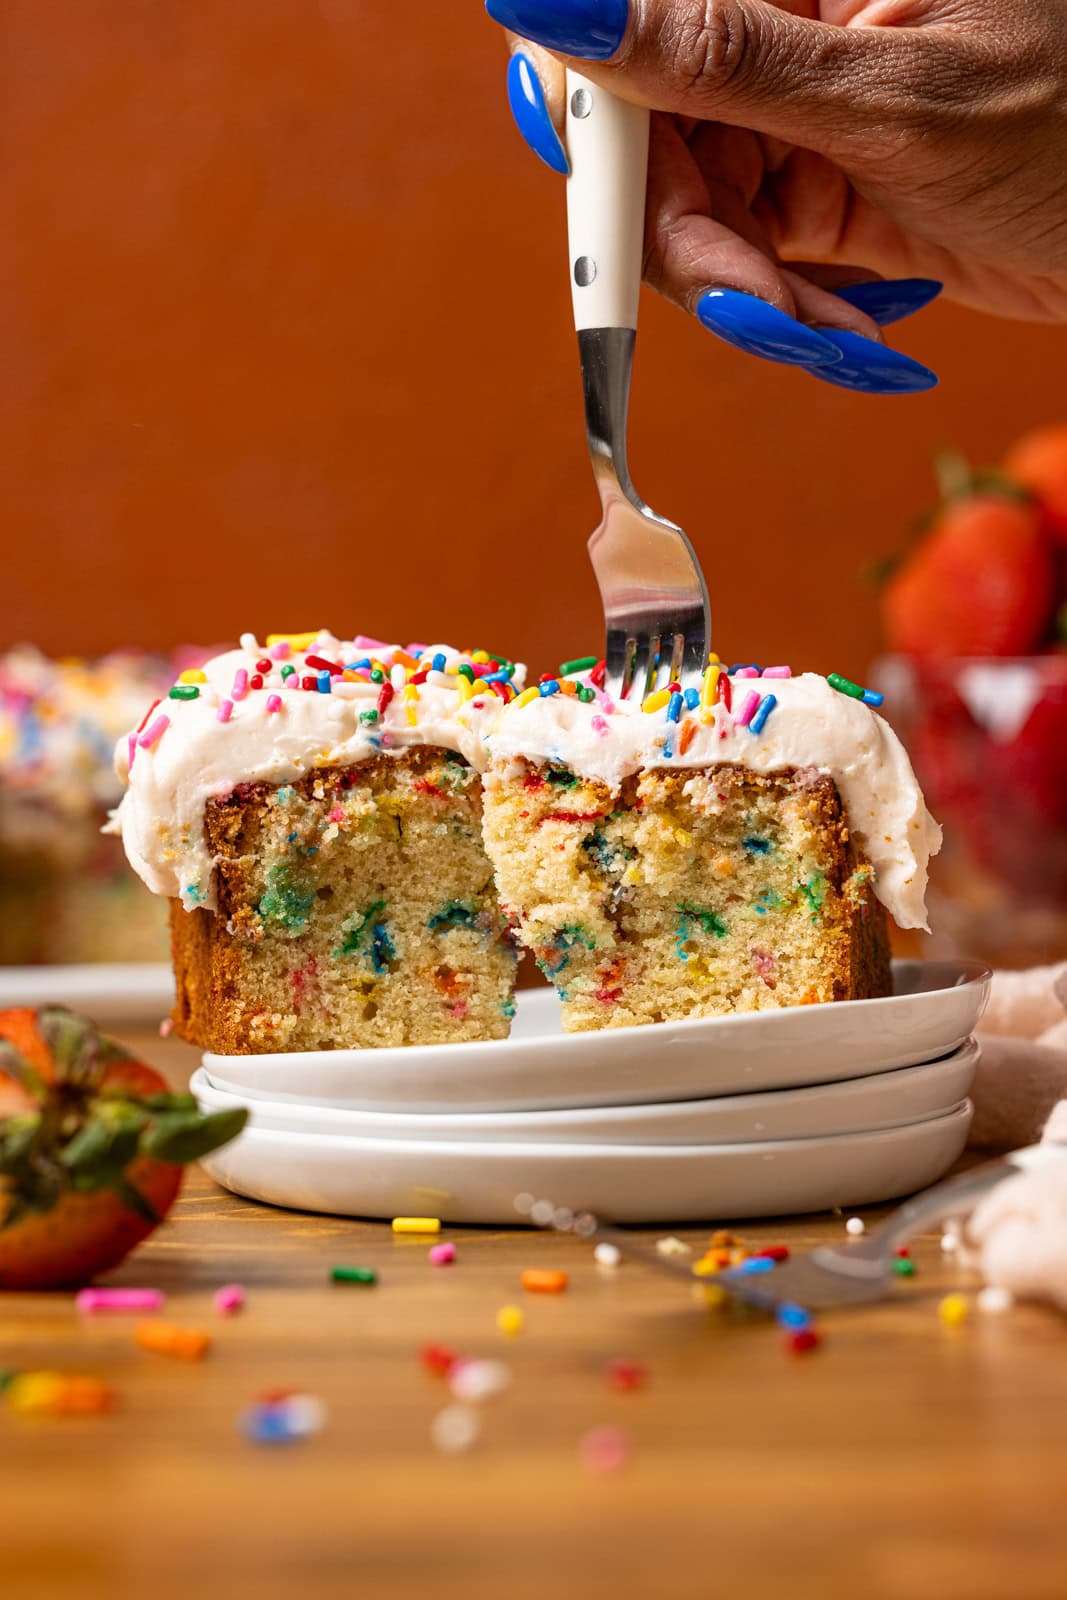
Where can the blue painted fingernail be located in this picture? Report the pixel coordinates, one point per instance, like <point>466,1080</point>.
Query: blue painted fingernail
<point>762,330</point>
<point>873,368</point>
<point>530,110</point>
<point>887,300</point>
<point>590,29</point>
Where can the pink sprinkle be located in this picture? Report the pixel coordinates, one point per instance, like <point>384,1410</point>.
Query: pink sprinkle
<point>603,700</point>
<point>240,684</point>
<point>745,672</point>
<point>416,649</point>
<point>154,733</point>
<point>280,652</point>
<point>600,727</point>
<point>229,1299</point>
<point>131,745</point>
<point>363,641</point>
<point>442,1254</point>
<point>604,1450</point>
<point>91,1300</point>
<point>337,814</point>
<point>748,710</point>
<point>166,1027</point>
<point>274,702</point>
<point>225,711</point>
<point>777,672</point>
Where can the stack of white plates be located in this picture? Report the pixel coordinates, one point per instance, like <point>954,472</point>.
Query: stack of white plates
<point>758,1114</point>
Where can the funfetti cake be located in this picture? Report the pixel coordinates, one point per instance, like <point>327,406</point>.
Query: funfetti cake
<point>732,849</point>
<point>312,808</point>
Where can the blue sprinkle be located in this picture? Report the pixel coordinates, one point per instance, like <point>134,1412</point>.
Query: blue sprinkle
<point>757,847</point>
<point>439,663</point>
<point>551,687</point>
<point>382,950</point>
<point>692,698</point>
<point>354,666</point>
<point>740,666</point>
<point>871,697</point>
<point>267,1424</point>
<point>766,706</point>
<point>324,682</point>
<point>495,677</point>
<point>668,749</point>
<point>291,838</point>
<point>754,1264</point>
<point>674,707</point>
<point>790,1315</point>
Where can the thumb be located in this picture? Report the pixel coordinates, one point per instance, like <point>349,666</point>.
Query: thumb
<point>750,63</point>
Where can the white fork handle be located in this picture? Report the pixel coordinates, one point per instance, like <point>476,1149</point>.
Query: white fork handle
<point>607,144</point>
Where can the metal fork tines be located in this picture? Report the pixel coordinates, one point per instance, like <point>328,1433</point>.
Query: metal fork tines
<point>653,591</point>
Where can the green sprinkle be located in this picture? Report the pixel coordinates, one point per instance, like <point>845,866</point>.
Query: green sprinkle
<point>844,685</point>
<point>7,1377</point>
<point>288,670</point>
<point>580,664</point>
<point>904,1266</point>
<point>562,777</point>
<point>365,1275</point>
<point>586,694</point>
<point>710,921</point>
<point>354,928</point>
<point>184,691</point>
<point>814,892</point>
<point>377,675</point>
<point>466,671</point>
<point>368,717</point>
<point>285,901</point>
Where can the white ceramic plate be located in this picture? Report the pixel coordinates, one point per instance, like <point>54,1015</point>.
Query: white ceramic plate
<point>935,1007</point>
<point>106,992</point>
<point>478,1183</point>
<point>886,1100</point>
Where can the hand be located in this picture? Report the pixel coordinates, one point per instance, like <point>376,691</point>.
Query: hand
<point>803,147</point>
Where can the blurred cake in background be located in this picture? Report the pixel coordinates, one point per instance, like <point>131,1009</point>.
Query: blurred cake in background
<point>66,892</point>
<point>975,615</point>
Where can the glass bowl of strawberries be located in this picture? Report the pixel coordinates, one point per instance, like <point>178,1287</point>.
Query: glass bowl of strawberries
<point>976,685</point>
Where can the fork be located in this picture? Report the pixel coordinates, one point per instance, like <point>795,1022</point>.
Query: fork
<point>653,591</point>
<point>832,1276</point>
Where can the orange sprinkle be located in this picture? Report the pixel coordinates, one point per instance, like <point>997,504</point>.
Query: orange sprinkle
<point>404,659</point>
<point>688,735</point>
<point>544,1280</point>
<point>167,1339</point>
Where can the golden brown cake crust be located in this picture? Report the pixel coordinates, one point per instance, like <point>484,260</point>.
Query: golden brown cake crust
<point>355,907</point>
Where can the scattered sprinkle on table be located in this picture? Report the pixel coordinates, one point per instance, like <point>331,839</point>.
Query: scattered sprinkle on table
<point>994,1299</point>
<point>798,1341</point>
<point>478,1380</point>
<point>454,1430</point>
<point>604,1450</point>
<point>416,1224</point>
<point>855,1227</point>
<point>544,1280</point>
<point>438,1358</point>
<point>92,1301</point>
<point>228,1299</point>
<point>509,1319</point>
<point>673,1247</point>
<point>168,1339</point>
<point>607,1255</point>
<point>58,1394</point>
<point>443,1254</point>
<point>904,1266</point>
<point>950,1241</point>
<point>362,1275</point>
<point>283,1420</point>
<point>626,1375</point>
<point>953,1310</point>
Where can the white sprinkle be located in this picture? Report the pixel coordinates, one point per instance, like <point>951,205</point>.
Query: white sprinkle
<point>855,1226</point>
<point>250,643</point>
<point>607,1255</point>
<point>454,1429</point>
<point>950,1243</point>
<point>673,1247</point>
<point>478,1380</point>
<point>305,1414</point>
<point>994,1298</point>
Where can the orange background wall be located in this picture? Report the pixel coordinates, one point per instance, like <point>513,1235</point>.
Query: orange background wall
<point>284,341</point>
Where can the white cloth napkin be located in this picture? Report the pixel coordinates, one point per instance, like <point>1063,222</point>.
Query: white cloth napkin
<point>1017,1236</point>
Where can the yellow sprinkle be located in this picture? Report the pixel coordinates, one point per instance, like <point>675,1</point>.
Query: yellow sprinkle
<point>710,685</point>
<point>416,1224</point>
<point>480,656</point>
<point>464,688</point>
<point>509,1319</point>
<point>953,1310</point>
<point>714,659</point>
<point>657,701</point>
<point>192,675</point>
<point>410,691</point>
<point>526,697</point>
<point>705,1268</point>
<point>298,641</point>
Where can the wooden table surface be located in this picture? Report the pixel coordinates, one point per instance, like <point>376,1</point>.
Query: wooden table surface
<point>900,1459</point>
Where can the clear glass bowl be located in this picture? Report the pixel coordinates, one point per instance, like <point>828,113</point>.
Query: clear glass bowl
<point>988,740</point>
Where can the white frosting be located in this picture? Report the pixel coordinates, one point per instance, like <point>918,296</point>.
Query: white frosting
<point>812,726</point>
<point>197,757</point>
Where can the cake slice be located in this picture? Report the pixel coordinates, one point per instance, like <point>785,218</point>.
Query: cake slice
<point>313,808</point>
<point>731,851</point>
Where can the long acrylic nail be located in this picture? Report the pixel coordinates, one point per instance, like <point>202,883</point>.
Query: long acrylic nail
<point>872,368</point>
<point>762,330</point>
<point>530,110</point>
<point>887,300</point>
<point>589,29</point>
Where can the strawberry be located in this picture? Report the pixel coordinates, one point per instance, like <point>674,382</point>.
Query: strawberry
<point>981,583</point>
<point>92,1147</point>
<point>1038,461</point>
